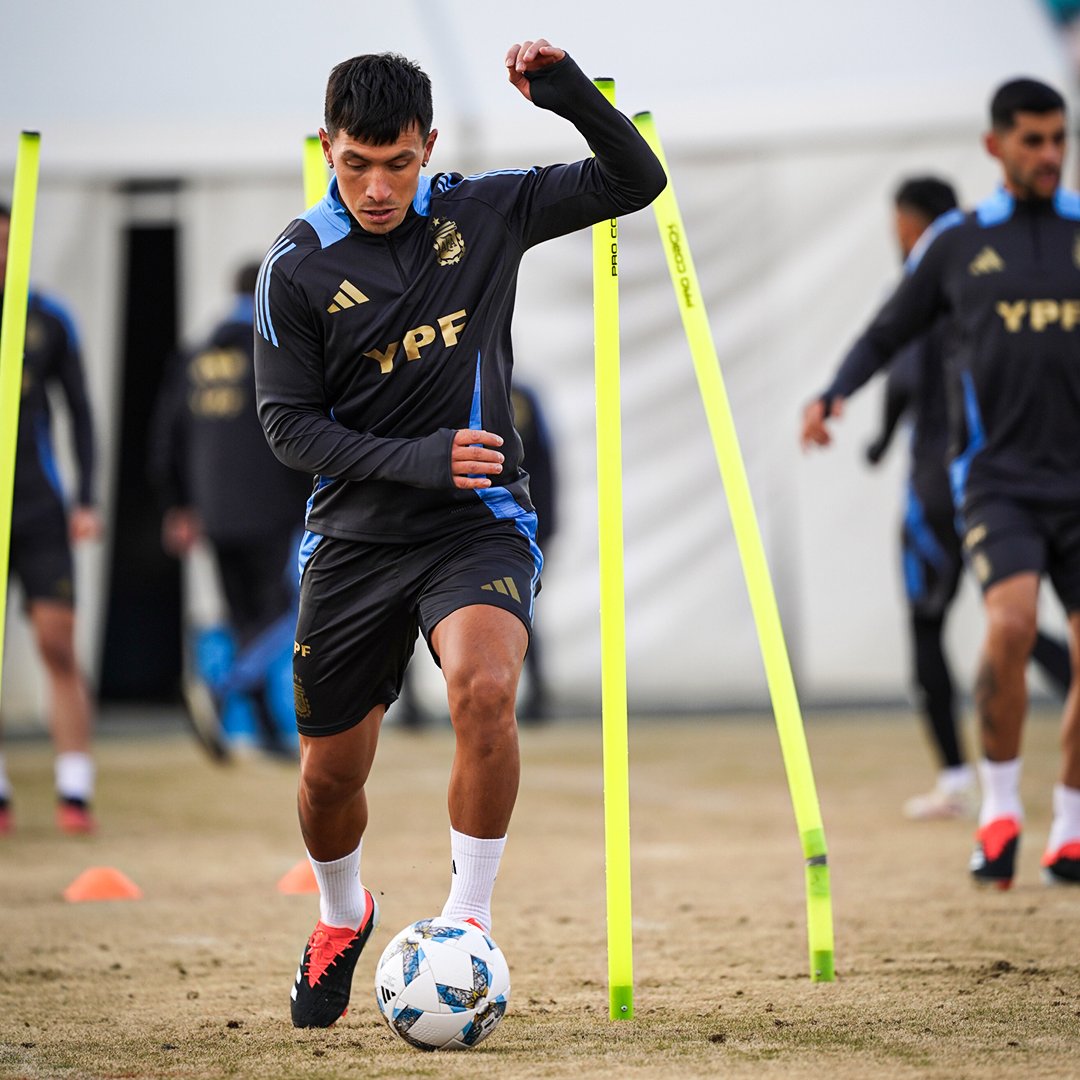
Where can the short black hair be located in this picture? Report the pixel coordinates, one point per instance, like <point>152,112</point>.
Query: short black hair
<point>929,196</point>
<point>245,278</point>
<point>1022,95</point>
<point>5,211</point>
<point>377,96</point>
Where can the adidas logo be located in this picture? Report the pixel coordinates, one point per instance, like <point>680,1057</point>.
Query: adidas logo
<point>347,296</point>
<point>505,586</point>
<point>988,261</point>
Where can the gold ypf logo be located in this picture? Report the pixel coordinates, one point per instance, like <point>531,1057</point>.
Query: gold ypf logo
<point>447,241</point>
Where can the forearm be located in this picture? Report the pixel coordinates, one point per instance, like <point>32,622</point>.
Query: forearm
<point>312,443</point>
<point>863,360</point>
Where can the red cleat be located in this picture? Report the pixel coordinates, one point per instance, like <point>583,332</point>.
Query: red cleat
<point>320,995</point>
<point>74,818</point>
<point>1062,867</point>
<point>993,861</point>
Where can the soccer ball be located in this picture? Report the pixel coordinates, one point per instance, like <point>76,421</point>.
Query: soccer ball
<point>442,984</point>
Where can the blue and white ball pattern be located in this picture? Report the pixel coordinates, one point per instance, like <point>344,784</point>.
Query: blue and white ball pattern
<point>442,984</point>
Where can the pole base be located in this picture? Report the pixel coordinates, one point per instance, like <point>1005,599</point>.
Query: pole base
<point>622,1003</point>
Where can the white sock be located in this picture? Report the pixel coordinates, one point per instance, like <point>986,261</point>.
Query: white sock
<point>1066,826</point>
<point>955,779</point>
<point>473,867</point>
<point>74,775</point>
<point>5,783</point>
<point>341,895</point>
<point>1000,782</point>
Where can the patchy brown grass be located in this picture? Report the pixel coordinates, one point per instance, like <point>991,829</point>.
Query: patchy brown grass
<point>935,979</point>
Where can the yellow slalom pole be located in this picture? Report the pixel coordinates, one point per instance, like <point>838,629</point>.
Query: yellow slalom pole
<point>605,237</point>
<point>316,174</point>
<point>789,723</point>
<point>12,341</point>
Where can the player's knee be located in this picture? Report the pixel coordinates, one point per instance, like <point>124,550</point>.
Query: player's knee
<point>329,782</point>
<point>483,692</point>
<point>1012,631</point>
<point>57,654</point>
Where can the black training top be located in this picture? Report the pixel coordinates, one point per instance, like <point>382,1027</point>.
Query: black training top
<point>51,357</point>
<point>372,350</point>
<point>1008,277</point>
<point>208,450</point>
<point>916,389</point>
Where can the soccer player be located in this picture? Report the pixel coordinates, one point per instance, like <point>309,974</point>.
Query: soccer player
<point>42,528</point>
<point>218,478</point>
<point>1008,276</point>
<point>538,455</point>
<point>383,367</point>
<point>930,545</point>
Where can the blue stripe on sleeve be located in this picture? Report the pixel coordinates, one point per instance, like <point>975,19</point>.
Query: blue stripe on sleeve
<point>266,323</point>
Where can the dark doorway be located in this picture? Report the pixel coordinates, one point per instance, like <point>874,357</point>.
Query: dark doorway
<point>142,649</point>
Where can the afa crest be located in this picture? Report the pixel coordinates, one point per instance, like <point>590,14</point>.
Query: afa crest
<point>448,242</point>
<point>300,700</point>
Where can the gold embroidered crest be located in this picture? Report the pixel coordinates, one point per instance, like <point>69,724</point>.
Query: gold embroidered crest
<point>448,242</point>
<point>300,700</point>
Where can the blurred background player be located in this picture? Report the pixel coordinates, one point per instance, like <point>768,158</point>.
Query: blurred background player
<point>1006,275</point>
<point>42,528</point>
<point>931,552</point>
<point>218,479</point>
<point>538,459</point>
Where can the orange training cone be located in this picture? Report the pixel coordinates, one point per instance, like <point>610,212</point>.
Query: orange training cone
<point>300,879</point>
<point>102,883</point>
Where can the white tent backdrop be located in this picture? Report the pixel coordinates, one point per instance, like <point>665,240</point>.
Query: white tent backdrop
<point>787,127</point>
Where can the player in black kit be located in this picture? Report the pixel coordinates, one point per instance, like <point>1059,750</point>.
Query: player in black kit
<point>217,478</point>
<point>383,367</point>
<point>1008,276</point>
<point>43,524</point>
<point>932,557</point>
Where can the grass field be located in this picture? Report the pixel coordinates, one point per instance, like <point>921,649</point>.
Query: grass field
<point>935,978</point>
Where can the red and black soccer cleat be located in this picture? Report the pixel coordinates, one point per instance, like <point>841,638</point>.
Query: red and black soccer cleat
<point>1062,867</point>
<point>993,862</point>
<point>74,818</point>
<point>320,995</point>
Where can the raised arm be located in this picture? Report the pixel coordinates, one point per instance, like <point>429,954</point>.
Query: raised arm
<point>623,176</point>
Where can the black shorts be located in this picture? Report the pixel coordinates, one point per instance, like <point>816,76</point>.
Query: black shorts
<point>362,604</point>
<point>1004,536</point>
<point>931,553</point>
<point>41,559</point>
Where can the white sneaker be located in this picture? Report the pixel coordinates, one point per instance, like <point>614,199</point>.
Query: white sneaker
<point>941,805</point>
